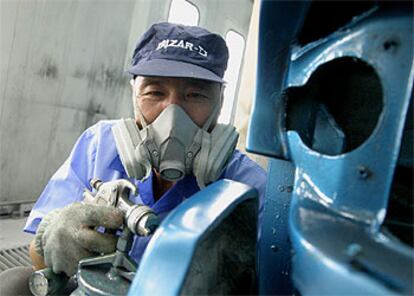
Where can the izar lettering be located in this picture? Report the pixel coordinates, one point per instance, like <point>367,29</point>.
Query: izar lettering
<point>164,44</point>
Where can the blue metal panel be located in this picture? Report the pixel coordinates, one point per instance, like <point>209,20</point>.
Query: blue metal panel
<point>279,22</point>
<point>338,256</point>
<point>165,263</point>
<point>339,178</point>
<point>274,247</point>
<point>339,202</point>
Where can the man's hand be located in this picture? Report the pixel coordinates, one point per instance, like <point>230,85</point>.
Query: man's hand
<point>67,235</point>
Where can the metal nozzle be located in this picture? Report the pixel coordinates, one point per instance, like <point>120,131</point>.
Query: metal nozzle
<point>95,183</point>
<point>142,220</point>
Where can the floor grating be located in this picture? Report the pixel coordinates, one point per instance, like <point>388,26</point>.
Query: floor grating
<point>18,256</point>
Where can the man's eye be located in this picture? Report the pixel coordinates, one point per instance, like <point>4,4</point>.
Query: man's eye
<point>153,94</point>
<point>197,96</point>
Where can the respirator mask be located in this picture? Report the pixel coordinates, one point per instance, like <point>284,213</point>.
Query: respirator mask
<point>175,146</point>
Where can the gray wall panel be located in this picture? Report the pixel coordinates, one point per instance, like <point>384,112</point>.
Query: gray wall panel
<point>25,162</point>
<point>8,17</point>
<point>70,125</point>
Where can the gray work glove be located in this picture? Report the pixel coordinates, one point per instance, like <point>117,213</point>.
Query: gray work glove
<point>67,235</point>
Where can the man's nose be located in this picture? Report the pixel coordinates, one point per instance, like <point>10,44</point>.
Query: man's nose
<point>176,97</point>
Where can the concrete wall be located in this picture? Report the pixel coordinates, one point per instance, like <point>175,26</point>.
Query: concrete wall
<point>62,68</point>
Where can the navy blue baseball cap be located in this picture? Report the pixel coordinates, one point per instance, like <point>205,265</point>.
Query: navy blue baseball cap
<point>171,50</point>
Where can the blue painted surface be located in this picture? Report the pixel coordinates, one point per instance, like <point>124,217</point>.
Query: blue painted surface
<point>274,257</point>
<point>337,177</point>
<point>337,209</point>
<point>164,265</point>
<point>323,261</point>
<point>334,207</point>
<point>279,22</point>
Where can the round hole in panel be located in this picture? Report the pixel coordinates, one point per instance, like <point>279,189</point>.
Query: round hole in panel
<point>338,108</point>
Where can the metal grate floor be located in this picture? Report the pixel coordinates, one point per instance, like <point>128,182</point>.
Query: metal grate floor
<point>13,257</point>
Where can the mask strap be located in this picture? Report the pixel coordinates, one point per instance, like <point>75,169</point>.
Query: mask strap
<point>141,118</point>
<point>138,110</point>
<point>213,114</point>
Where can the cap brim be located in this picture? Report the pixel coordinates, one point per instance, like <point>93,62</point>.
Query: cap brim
<point>171,68</point>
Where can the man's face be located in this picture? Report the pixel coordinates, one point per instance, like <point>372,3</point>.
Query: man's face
<point>196,97</point>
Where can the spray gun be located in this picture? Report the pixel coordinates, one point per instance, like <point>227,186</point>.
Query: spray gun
<point>139,219</point>
<point>108,274</point>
